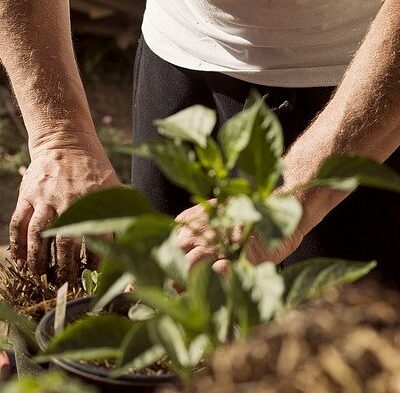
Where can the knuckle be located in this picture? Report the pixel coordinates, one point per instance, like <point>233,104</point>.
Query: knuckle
<point>15,224</point>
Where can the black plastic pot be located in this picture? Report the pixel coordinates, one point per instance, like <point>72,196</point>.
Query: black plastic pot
<point>91,374</point>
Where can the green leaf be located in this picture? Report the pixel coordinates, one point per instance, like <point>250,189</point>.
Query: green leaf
<point>169,335</point>
<point>171,259</point>
<point>347,172</point>
<point>236,133</point>
<point>244,309</point>
<point>205,294</point>
<point>87,282</point>
<point>141,312</point>
<point>165,304</point>
<point>46,382</point>
<point>221,321</point>
<point>178,165</point>
<point>25,327</point>
<point>98,337</point>
<point>115,288</point>
<point>240,210</point>
<point>132,250</point>
<point>193,124</point>
<point>145,359</point>
<point>261,158</point>
<point>23,354</point>
<point>234,187</point>
<point>136,343</point>
<point>310,278</point>
<point>211,159</point>
<point>197,349</point>
<point>264,285</point>
<point>148,230</point>
<point>280,217</point>
<point>108,287</point>
<point>268,289</point>
<point>101,212</point>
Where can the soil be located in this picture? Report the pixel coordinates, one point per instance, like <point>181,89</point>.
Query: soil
<point>27,294</point>
<point>157,369</point>
<point>346,342</point>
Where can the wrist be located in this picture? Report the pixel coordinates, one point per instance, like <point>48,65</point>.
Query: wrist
<point>71,139</point>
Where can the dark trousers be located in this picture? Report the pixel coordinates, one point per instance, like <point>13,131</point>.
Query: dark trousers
<point>363,227</point>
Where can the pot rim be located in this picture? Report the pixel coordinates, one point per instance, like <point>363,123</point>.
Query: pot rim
<point>87,370</point>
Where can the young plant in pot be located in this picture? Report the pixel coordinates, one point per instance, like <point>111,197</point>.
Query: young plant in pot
<point>155,332</point>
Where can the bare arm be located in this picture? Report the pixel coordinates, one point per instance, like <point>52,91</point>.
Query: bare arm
<point>363,117</point>
<point>36,50</point>
<point>67,157</point>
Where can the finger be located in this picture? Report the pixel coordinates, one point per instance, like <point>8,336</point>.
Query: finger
<point>201,253</point>
<point>187,240</point>
<point>18,232</point>
<point>189,215</point>
<point>39,252</point>
<point>221,267</point>
<point>67,255</point>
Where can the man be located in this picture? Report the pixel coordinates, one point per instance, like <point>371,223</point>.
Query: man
<point>213,52</point>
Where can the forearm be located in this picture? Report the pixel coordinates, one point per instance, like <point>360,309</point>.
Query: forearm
<point>363,117</point>
<point>37,52</point>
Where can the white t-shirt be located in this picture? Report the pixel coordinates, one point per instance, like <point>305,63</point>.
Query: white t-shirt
<point>287,43</point>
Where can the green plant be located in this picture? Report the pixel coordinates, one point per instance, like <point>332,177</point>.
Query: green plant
<point>51,382</point>
<point>212,310</point>
<point>90,281</point>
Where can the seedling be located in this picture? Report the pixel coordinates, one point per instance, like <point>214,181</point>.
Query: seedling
<point>187,326</point>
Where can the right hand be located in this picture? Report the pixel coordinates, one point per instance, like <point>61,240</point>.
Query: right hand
<point>53,180</point>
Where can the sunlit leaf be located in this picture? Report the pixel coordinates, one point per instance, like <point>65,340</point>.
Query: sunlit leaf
<point>101,208</point>
<point>140,312</point>
<point>197,348</point>
<point>87,282</point>
<point>178,165</point>
<point>264,284</point>
<point>193,124</point>
<point>221,321</point>
<point>172,260</point>
<point>236,133</point>
<point>170,336</point>
<point>310,278</point>
<point>240,210</point>
<point>281,216</point>
<point>210,157</point>
<point>165,304</point>
<point>347,172</point>
<point>261,158</point>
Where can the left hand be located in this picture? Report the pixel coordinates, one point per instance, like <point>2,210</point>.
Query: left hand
<point>199,243</point>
